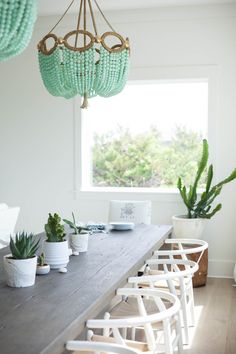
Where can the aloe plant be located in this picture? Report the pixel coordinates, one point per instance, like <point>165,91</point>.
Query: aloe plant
<point>54,229</point>
<point>202,208</point>
<point>72,224</point>
<point>24,246</point>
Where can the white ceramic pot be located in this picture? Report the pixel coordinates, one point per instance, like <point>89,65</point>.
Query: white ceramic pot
<point>188,228</point>
<point>20,273</point>
<point>44,269</point>
<point>79,242</point>
<point>56,254</point>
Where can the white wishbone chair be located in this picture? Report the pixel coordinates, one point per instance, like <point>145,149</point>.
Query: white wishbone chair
<point>166,314</point>
<point>98,347</point>
<point>175,276</point>
<point>181,247</point>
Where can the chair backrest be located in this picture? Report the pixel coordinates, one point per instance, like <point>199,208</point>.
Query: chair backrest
<point>167,305</point>
<point>8,219</point>
<point>172,269</point>
<point>183,247</point>
<point>98,347</point>
<point>138,212</point>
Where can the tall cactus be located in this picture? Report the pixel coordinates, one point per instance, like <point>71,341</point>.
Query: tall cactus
<point>202,208</point>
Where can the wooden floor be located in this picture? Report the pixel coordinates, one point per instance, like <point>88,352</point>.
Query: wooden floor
<point>215,331</point>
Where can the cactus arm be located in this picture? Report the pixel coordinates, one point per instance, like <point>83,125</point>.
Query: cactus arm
<point>183,193</point>
<point>230,178</point>
<point>215,210</point>
<point>201,167</point>
<point>209,178</point>
<point>202,207</point>
<point>207,199</point>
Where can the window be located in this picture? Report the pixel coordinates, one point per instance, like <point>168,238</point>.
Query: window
<point>146,136</point>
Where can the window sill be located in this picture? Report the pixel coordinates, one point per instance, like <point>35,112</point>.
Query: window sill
<point>106,194</point>
<point>165,195</point>
<point>131,190</point>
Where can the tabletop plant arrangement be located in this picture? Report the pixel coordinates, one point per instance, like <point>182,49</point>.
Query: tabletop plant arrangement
<point>199,209</point>
<point>20,265</point>
<point>79,238</point>
<point>42,267</point>
<point>56,246</point>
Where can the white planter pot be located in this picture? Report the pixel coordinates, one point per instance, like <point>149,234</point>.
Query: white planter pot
<point>41,270</point>
<point>20,272</point>
<point>188,228</point>
<point>79,242</point>
<point>56,254</point>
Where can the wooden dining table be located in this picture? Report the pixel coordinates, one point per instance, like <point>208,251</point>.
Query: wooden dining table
<point>41,318</point>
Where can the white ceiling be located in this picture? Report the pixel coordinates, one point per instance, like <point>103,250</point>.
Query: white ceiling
<point>56,7</point>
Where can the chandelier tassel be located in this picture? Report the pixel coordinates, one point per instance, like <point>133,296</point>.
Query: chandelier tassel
<point>85,101</point>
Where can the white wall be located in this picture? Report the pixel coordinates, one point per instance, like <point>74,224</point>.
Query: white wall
<point>39,167</point>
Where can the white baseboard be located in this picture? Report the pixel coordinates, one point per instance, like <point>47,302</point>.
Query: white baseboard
<point>219,268</point>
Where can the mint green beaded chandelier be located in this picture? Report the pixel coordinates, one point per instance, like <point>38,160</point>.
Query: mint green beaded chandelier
<point>17,18</point>
<point>91,69</point>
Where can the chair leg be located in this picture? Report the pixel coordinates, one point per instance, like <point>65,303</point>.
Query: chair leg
<point>185,319</point>
<point>124,333</point>
<point>192,313</point>
<point>179,334</point>
<point>133,333</point>
<point>167,337</point>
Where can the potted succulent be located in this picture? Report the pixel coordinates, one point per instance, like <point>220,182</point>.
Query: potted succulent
<point>42,267</point>
<point>55,246</point>
<point>20,265</point>
<point>199,209</point>
<point>79,239</point>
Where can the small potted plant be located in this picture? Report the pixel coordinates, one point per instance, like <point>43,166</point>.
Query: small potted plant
<point>20,265</point>
<point>42,267</point>
<point>199,209</point>
<point>56,245</point>
<point>79,239</point>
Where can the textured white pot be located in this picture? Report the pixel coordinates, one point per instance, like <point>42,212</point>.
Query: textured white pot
<point>20,273</point>
<point>79,242</point>
<point>56,254</point>
<point>188,228</point>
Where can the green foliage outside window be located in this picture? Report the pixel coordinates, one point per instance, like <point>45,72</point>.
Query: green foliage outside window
<point>121,159</point>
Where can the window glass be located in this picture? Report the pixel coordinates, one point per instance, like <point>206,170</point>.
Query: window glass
<point>146,136</point>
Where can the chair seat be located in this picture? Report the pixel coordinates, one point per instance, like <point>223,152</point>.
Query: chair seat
<point>129,309</point>
<point>163,284</point>
<point>142,346</point>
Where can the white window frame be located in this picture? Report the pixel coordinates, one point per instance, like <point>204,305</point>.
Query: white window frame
<point>208,73</point>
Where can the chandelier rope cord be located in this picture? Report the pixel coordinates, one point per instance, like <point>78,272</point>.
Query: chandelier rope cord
<point>92,16</point>
<point>107,22</point>
<point>78,22</point>
<point>62,16</point>
<point>83,3</point>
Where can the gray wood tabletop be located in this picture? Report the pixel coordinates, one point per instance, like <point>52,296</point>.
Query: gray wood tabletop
<point>41,318</point>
